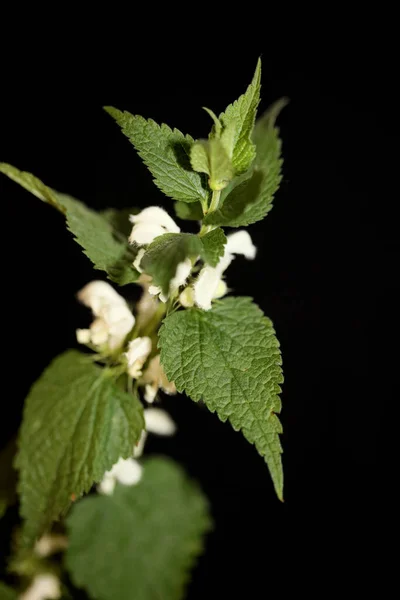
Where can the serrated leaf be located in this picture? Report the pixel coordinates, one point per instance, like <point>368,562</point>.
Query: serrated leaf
<point>8,477</point>
<point>189,212</point>
<point>104,245</point>
<point>229,357</point>
<point>77,423</point>
<point>242,113</point>
<point>142,541</point>
<point>166,153</point>
<point>250,198</point>
<point>213,246</point>
<point>7,593</point>
<point>165,253</point>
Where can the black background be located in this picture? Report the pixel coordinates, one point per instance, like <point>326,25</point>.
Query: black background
<point>324,273</point>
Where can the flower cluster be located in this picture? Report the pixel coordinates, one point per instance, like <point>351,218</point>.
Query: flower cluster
<point>209,285</point>
<point>116,332</point>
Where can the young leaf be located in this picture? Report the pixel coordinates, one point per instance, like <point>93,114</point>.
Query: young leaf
<point>213,246</point>
<point>229,357</point>
<point>8,477</point>
<point>166,153</point>
<point>163,256</point>
<point>7,593</point>
<point>142,541</point>
<point>77,423</point>
<point>243,113</point>
<point>189,212</point>
<point>210,157</point>
<point>199,157</point>
<point>250,198</point>
<point>102,243</point>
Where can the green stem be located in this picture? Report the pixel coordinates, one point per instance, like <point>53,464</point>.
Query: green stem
<point>216,196</point>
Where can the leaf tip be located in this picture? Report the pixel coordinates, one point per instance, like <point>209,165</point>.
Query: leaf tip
<point>113,112</point>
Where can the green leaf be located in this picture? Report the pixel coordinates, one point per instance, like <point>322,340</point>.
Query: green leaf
<point>166,153</point>
<point>229,357</point>
<point>165,253</point>
<point>7,593</point>
<point>77,423</point>
<point>217,128</point>
<point>210,157</point>
<point>199,157</point>
<point>8,477</point>
<point>189,212</point>
<point>102,243</point>
<point>142,541</point>
<point>119,219</point>
<point>243,113</point>
<point>250,198</point>
<point>108,250</point>
<point>214,246</point>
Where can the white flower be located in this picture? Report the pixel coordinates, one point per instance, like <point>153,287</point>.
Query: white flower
<point>154,378</point>
<point>209,284</point>
<point>126,471</point>
<point>98,294</point>
<point>83,336</point>
<point>43,587</point>
<point>50,543</point>
<point>157,421</point>
<point>114,319</point>
<point>181,274</point>
<point>138,351</point>
<point>149,224</point>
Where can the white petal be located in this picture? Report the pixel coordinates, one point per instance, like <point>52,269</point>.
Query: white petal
<point>181,274</point>
<point>240,243</point>
<point>127,471</point>
<point>43,587</point>
<point>156,216</point>
<point>136,262</point>
<point>83,336</point>
<point>107,485</point>
<point>120,321</point>
<point>145,233</point>
<point>97,294</point>
<point>186,298</point>
<point>206,285</point>
<point>154,290</point>
<point>138,349</point>
<point>158,421</point>
<point>150,393</point>
<point>99,331</point>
